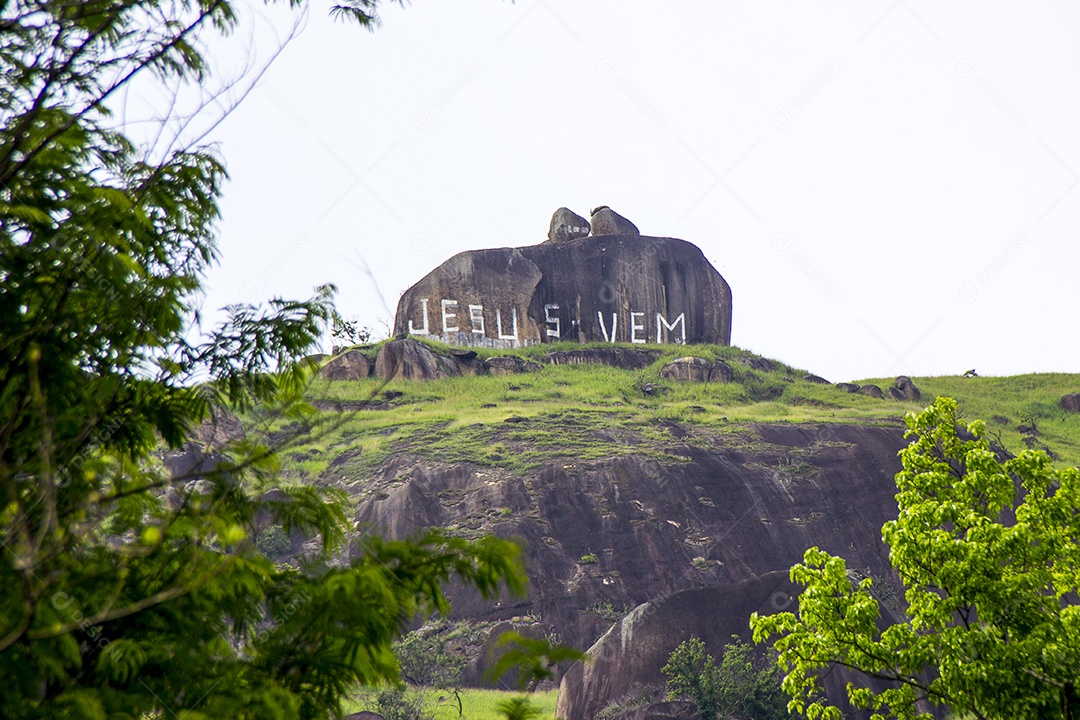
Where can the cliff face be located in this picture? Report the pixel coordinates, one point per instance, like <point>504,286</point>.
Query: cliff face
<point>695,510</point>
<point>601,288</point>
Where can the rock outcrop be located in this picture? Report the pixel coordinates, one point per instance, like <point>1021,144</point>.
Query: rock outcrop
<point>1071,403</point>
<point>350,365</point>
<point>695,509</point>
<point>606,221</point>
<point>631,653</point>
<point>412,360</point>
<point>567,225</point>
<point>617,286</point>
<point>695,369</point>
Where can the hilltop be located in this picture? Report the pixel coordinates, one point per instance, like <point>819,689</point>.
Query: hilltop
<point>626,487</point>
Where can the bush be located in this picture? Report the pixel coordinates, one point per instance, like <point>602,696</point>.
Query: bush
<point>738,687</point>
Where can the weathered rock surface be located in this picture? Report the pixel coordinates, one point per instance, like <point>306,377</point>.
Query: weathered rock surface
<point>695,369</point>
<point>847,387</point>
<point>611,288</point>
<point>221,428</point>
<point>567,225</point>
<point>634,649</point>
<point>721,372</point>
<point>687,369</point>
<point>907,389</point>
<point>816,379</point>
<point>606,221</point>
<point>1071,403</point>
<point>625,358</point>
<point>509,364</point>
<point>725,510</point>
<point>351,365</point>
<point>412,360</point>
<point>872,391</point>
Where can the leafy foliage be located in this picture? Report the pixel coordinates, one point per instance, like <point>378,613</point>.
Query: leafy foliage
<point>988,552</point>
<point>736,688</point>
<point>126,590</point>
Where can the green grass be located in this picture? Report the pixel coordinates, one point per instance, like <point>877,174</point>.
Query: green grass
<point>476,703</point>
<point>586,412</point>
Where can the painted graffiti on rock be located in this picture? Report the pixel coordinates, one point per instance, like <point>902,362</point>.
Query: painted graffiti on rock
<point>472,323</point>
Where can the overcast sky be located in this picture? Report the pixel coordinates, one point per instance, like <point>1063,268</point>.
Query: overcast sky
<point>888,187</point>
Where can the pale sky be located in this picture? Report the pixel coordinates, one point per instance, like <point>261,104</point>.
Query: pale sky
<point>888,187</point>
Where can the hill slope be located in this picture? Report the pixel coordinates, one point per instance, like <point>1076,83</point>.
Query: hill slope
<point>625,487</point>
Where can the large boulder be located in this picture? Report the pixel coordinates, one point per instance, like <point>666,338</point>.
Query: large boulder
<point>412,360</point>
<point>567,225</point>
<point>695,369</point>
<point>351,365</point>
<point>612,288</point>
<point>687,369</point>
<point>907,389</point>
<point>606,221</point>
<point>872,391</point>
<point>1071,403</point>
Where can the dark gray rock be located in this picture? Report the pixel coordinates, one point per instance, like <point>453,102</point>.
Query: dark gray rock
<point>567,225</point>
<point>606,221</point>
<point>816,379</point>
<point>894,393</point>
<point>756,363</point>
<point>364,715</point>
<point>687,369</point>
<point>847,387</point>
<point>872,391</point>
<point>907,389</point>
<point>509,365</point>
<point>611,288</point>
<point>352,365</point>
<point>721,372</point>
<point>1071,403</point>
<point>625,358</point>
<point>411,360</point>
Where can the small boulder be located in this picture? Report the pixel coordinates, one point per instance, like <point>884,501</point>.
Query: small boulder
<point>567,225</point>
<point>908,390</point>
<point>606,221</point>
<point>1071,403</point>
<point>816,379</point>
<point>757,363</point>
<point>872,391</point>
<point>625,358</point>
<point>847,387</point>
<point>687,369</point>
<point>352,365</point>
<point>894,393</point>
<point>721,372</point>
<point>411,360</point>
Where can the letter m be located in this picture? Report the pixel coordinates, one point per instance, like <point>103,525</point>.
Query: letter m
<point>662,323</point>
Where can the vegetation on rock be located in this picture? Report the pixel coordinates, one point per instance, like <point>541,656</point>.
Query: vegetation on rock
<point>987,549</point>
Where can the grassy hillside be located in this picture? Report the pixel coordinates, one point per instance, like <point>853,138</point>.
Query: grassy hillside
<point>476,704</point>
<point>518,421</point>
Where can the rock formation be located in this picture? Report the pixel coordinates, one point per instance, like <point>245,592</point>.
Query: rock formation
<point>606,221</point>
<point>614,286</point>
<point>567,225</point>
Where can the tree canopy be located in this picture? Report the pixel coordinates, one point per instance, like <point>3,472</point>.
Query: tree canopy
<point>127,591</point>
<point>987,550</point>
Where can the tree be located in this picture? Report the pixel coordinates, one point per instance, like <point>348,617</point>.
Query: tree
<point>988,551</point>
<point>738,687</point>
<point>126,591</point>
